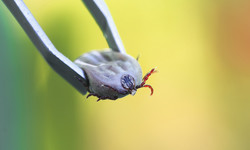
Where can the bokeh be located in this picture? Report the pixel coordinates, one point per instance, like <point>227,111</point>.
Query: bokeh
<point>201,49</point>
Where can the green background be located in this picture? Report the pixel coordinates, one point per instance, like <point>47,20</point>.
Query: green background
<point>202,90</point>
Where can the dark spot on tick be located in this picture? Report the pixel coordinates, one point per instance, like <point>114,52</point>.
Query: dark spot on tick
<point>128,82</point>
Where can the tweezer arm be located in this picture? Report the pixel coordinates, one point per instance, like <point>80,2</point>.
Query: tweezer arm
<point>100,12</point>
<point>61,64</point>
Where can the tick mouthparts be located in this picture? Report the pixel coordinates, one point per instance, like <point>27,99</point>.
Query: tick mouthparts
<point>133,92</point>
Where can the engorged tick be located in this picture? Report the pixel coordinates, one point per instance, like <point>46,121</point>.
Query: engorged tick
<point>112,75</point>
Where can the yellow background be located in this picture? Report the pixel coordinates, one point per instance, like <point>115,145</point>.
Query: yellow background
<point>201,49</point>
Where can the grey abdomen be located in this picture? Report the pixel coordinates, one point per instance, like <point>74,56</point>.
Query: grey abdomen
<point>105,68</point>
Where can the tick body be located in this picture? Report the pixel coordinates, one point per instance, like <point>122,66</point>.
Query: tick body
<point>112,75</point>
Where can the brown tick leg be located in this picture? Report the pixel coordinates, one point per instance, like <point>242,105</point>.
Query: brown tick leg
<point>106,97</point>
<point>101,97</point>
<point>91,94</point>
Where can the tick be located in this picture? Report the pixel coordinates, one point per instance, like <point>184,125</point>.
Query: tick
<point>112,75</point>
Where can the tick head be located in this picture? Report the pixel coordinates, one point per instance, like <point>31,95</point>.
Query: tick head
<point>128,83</point>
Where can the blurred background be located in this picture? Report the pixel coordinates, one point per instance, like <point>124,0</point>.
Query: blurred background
<point>202,90</point>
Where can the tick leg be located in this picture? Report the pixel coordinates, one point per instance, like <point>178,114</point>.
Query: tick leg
<point>106,97</point>
<point>149,86</point>
<point>91,94</point>
<point>101,97</point>
<point>137,58</point>
<point>147,76</point>
<point>143,84</point>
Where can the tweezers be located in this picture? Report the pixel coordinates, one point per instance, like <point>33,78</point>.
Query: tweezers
<point>61,64</point>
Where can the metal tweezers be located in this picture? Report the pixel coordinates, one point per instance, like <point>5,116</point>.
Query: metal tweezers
<point>61,64</point>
